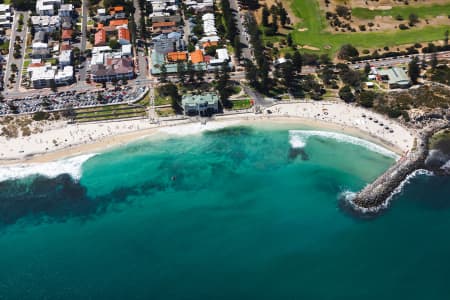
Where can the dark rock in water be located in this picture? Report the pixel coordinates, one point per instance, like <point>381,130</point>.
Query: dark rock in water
<point>294,152</point>
<point>436,159</point>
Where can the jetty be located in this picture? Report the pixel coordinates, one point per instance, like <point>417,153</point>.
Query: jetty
<point>376,195</point>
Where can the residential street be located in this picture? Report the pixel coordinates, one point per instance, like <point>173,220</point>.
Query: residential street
<point>246,52</point>
<point>83,70</point>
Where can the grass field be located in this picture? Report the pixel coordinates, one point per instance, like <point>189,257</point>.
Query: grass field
<point>314,20</point>
<point>404,11</point>
<point>242,104</point>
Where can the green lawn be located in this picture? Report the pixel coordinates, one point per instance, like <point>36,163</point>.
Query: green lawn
<point>404,11</point>
<point>242,104</point>
<point>314,20</point>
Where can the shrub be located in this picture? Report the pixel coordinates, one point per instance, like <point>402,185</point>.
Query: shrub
<point>40,116</point>
<point>403,27</point>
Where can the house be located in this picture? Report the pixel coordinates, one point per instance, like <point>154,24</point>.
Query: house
<point>40,36</point>
<point>204,104</point>
<point>176,56</point>
<point>163,44</point>
<point>209,25</point>
<point>113,69</point>
<point>100,38</point>
<point>123,34</point>
<point>66,34</point>
<point>395,77</point>
<point>66,10</point>
<point>196,56</point>
<point>156,18</point>
<point>5,16</point>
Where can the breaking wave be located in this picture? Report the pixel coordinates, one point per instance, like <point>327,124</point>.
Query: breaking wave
<point>71,166</point>
<point>196,128</point>
<point>299,138</point>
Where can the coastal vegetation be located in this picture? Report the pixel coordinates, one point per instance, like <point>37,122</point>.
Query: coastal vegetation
<point>422,11</point>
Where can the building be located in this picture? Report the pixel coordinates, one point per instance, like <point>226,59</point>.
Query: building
<point>5,16</point>
<point>46,23</point>
<point>113,69</point>
<point>159,26</point>
<point>64,76</point>
<point>222,56</point>
<point>47,7</point>
<point>127,50</point>
<point>123,35</point>
<point>176,56</point>
<point>65,58</point>
<point>100,38</point>
<point>66,34</point>
<point>395,77</point>
<point>205,104</point>
<point>197,56</point>
<point>41,75</point>
<point>66,10</point>
<point>39,50</point>
<point>117,23</point>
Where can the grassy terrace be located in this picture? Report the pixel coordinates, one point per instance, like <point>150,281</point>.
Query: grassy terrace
<point>314,20</point>
<point>404,11</point>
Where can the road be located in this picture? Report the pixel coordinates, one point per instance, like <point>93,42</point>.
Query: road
<point>11,60</point>
<point>84,12</point>
<point>246,52</point>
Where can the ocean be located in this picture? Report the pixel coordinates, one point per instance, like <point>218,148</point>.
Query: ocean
<point>243,212</point>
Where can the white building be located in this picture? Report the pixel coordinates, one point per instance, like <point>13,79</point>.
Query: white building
<point>64,76</point>
<point>222,56</point>
<point>47,7</point>
<point>209,25</point>
<point>46,23</point>
<point>5,15</point>
<point>66,10</point>
<point>65,58</point>
<point>41,76</point>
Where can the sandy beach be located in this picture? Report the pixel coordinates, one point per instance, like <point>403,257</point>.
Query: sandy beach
<point>67,140</point>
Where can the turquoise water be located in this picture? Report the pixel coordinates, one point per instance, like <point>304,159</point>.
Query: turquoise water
<point>232,214</point>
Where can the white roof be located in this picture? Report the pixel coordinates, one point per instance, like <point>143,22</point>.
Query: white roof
<point>64,74</point>
<point>65,55</point>
<point>101,11</point>
<point>4,7</point>
<point>46,72</point>
<point>222,54</point>
<point>126,49</point>
<point>39,45</point>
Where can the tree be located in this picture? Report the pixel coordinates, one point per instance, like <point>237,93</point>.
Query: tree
<point>53,86</point>
<point>163,75</point>
<point>297,61</point>
<point>251,73</point>
<point>237,47</point>
<point>366,98</point>
<point>345,93</point>
<point>434,61</point>
<point>181,70</point>
<point>283,16</point>
<point>446,38</point>
<point>414,70</point>
<point>114,44</point>
<point>289,40</point>
<point>413,19</point>
<point>367,69</point>
<point>200,75</point>
<point>265,16</point>
<point>287,72</point>
<point>191,71</point>
<point>347,51</point>
<point>342,11</point>
<point>274,24</point>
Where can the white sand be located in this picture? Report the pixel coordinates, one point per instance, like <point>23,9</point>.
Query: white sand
<point>72,139</point>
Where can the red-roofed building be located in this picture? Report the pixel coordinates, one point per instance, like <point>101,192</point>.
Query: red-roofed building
<point>100,38</point>
<point>196,56</point>
<point>66,34</point>
<point>120,22</point>
<point>123,35</point>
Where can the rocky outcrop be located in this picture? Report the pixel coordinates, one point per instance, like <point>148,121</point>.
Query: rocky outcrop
<point>375,195</point>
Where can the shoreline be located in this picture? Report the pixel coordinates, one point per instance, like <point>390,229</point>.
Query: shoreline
<point>103,138</point>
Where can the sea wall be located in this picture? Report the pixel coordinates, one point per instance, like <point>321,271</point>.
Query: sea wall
<point>377,194</point>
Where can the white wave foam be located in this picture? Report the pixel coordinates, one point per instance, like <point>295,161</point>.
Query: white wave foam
<point>298,139</point>
<point>196,128</point>
<point>446,166</point>
<point>71,166</point>
<point>388,200</point>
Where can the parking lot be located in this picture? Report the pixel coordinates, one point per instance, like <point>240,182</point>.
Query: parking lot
<point>63,100</point>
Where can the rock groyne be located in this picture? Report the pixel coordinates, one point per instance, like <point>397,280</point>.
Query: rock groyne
<point>376,195</point>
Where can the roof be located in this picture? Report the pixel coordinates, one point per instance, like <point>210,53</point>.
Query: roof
<point>100,37</point>
<point>163,24</point>
<point>123,34</point>
<point>177,56</point>
<point>119,22</point>
<point>113,66</point>
<point>66,34</point>
<point>395,75</point>
<point>196,56</point>
<point>194,100</point>
<point>209,44</point>
<point>116,9</point>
